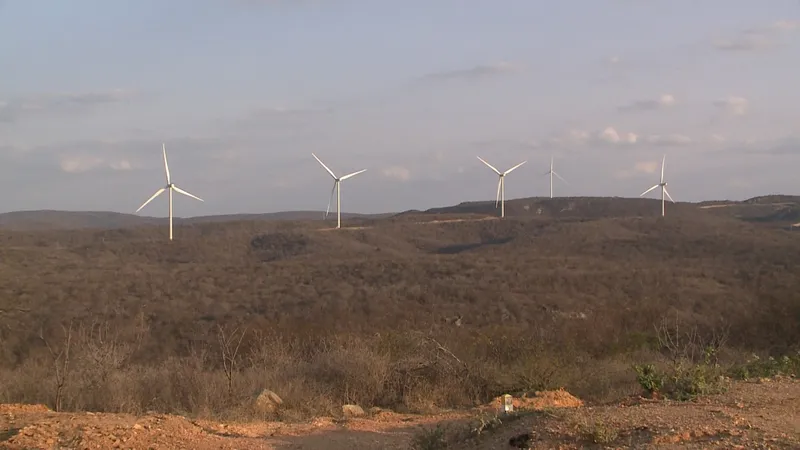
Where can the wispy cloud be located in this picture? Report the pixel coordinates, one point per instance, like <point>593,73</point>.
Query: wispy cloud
<point>668,140</point>
<point>66,103</point>
<point>733,105</point>
<point>756,38</point>
<point>397,173</point>
<point>664,101</point>
<point>776,147</point>
<point>744,43</point>
<point>612,137</point>
<point>85,163</point>
<point>477,72</point>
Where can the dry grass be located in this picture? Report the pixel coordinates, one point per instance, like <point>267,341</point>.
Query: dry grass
<point>368,315</point>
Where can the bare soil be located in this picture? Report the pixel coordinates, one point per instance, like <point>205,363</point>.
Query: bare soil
<point>764,414</point>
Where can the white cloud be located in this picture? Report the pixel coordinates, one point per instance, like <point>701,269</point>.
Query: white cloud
<point>639,168</point>
<point>611,136</point>
<point>733,105</point>
<point>397,173</point>
<point>663,101</point>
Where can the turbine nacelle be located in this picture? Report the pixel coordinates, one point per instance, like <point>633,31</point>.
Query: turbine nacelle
<point>663,185</point>
<point>170,186</point>
<point>337,181</point>
<point>501,185</point>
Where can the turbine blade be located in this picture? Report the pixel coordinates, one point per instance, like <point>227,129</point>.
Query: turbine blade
<point>645,192</point>
<point>179,190</point>
<point>323,165</point>
<point>668,196</point>
<point>559,177</point>
<point>351,175</point>
<point>166,166</point>
<point>663,160</point>
<point>509,170</point>
<point>490,166</point>
<point>547,173</point>
<point>330,199</point>
<point>497,200</point>
<point>158,192</point>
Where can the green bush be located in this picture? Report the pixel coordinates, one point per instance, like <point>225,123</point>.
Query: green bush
<point>768,368</point>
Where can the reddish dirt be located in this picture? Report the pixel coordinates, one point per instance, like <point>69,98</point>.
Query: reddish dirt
<point>749,415</point>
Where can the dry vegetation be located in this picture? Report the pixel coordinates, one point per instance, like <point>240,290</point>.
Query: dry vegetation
<point>415,318</point>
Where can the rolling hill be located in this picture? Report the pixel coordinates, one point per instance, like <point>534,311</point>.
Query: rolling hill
<point>68,220</point>
<point>779,210</point>
<point>446,307</point>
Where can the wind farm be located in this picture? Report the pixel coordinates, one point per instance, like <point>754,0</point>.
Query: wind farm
<point>410,312</point>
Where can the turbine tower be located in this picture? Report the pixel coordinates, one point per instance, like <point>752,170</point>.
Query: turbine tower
<point>169,187</point>
<point>338,188</point>
<point>663,185</point>
<point>501,185</point>
<point>552,172</point>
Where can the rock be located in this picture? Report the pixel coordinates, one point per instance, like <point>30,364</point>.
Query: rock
<point>352,411</point>
<point>267,402</point>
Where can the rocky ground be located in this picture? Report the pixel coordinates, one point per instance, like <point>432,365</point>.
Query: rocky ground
<point>764,414</point>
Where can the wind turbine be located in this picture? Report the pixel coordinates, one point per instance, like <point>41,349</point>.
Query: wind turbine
<point>663,185</point>
<point>169,187</point>
<point>338,188</point>
<point>501,185</point>
<point>552,172</point>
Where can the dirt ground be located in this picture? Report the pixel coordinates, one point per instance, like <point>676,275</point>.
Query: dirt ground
<point>763,414</point>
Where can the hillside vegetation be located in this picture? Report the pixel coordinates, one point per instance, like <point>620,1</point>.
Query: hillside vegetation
<point>418,311</point>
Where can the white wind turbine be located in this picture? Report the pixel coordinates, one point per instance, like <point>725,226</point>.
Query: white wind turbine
<point>501,185</point>
<point>338,188</point>
<point>663,185</point>
<point>169,187</point>
<point>552,172</point>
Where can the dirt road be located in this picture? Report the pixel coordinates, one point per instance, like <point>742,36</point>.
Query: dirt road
<point>762,414</point>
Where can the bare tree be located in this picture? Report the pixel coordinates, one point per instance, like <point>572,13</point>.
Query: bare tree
<point>60,362</point>
<point>229,344</point>
<point>686,344</point>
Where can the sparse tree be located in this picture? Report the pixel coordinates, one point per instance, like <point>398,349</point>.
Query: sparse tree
<point>61,360</point>
<point>229,344</point>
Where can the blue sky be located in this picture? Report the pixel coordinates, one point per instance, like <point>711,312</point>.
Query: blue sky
<point>242,91</point>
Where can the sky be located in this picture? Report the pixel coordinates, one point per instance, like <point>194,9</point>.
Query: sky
<point>241,92</point>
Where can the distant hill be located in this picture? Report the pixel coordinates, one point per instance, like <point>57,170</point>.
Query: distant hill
<point>73,220</point>
<point>778,210</point>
